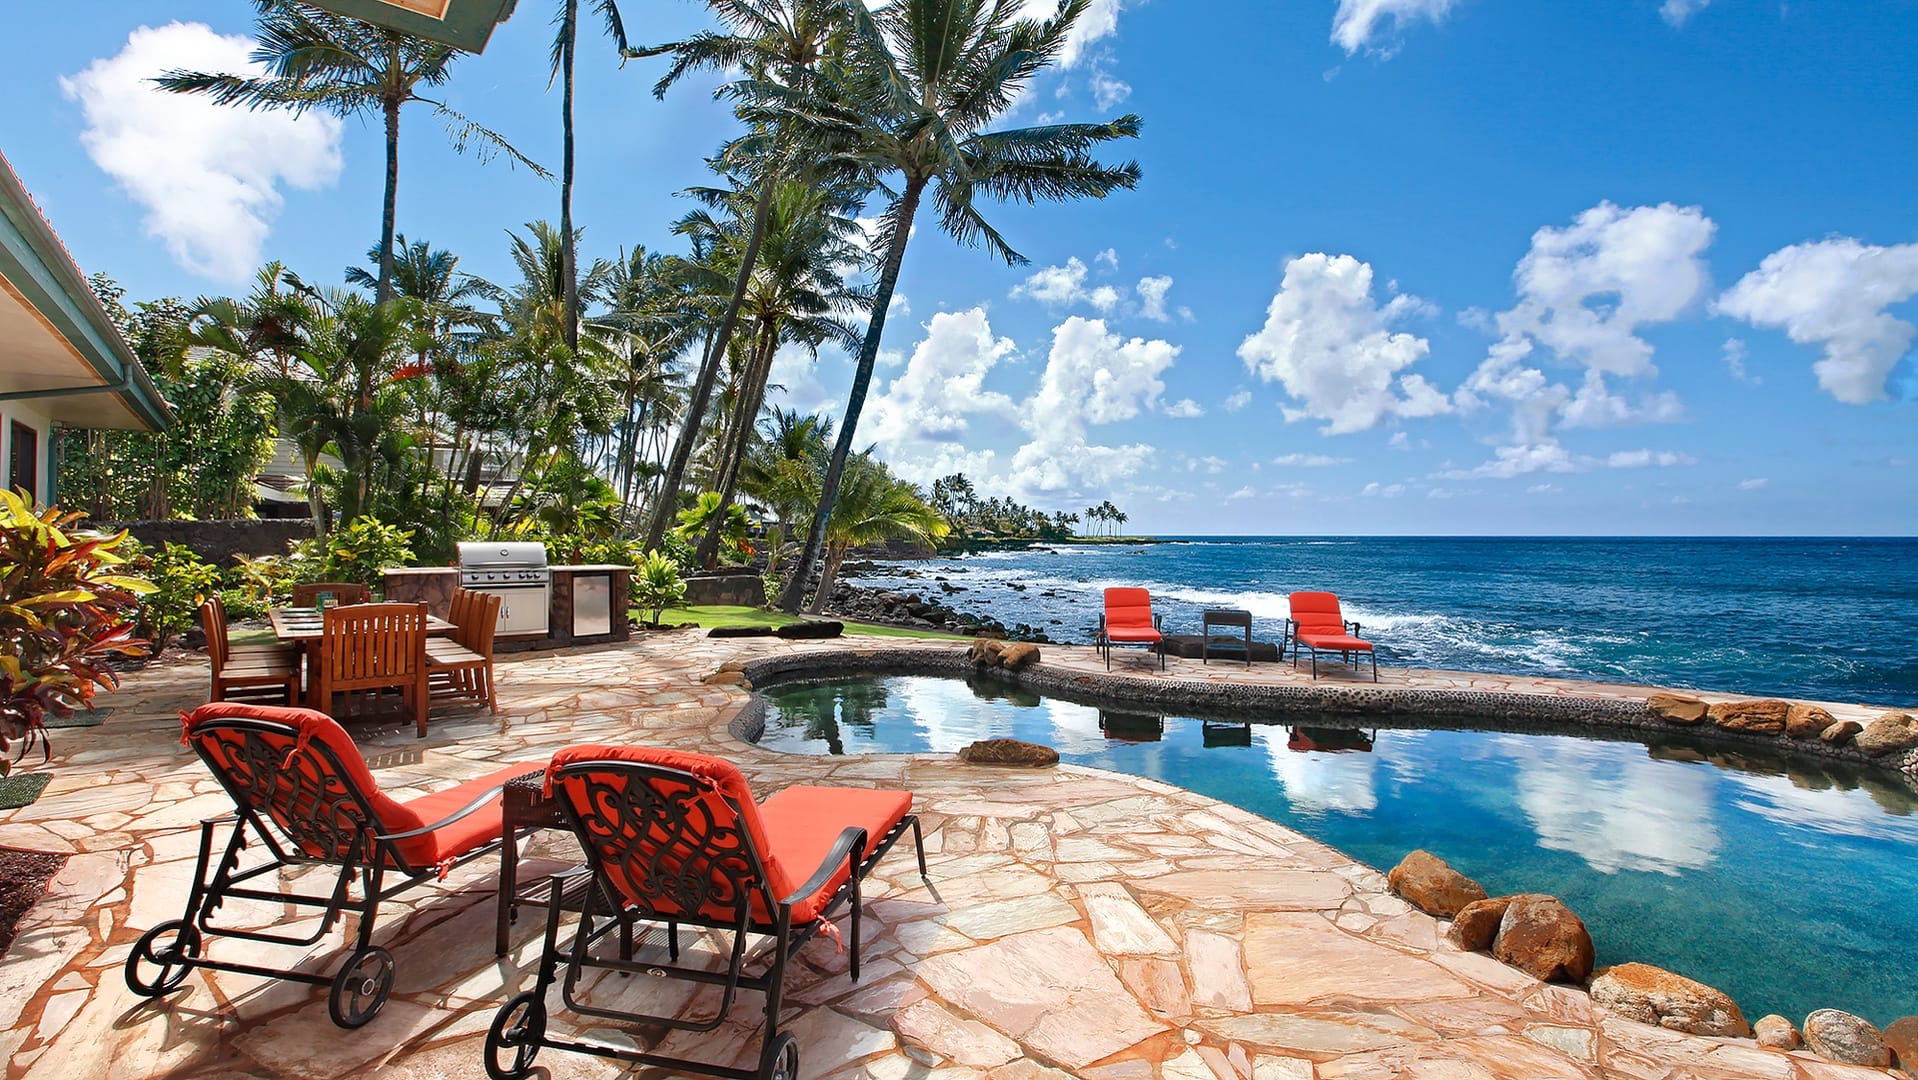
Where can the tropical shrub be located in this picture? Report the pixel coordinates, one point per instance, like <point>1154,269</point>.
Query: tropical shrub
<point>657,585</point>
<point>615,551</point>
<point>363,548</point>
<point>262,579</point>
<point>735,529</point>
<point>242,605</point>
<point>65,609</point>
<point>181,582</point>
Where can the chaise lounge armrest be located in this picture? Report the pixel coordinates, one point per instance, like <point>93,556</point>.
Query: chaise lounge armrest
<point>470,808</point>
<point>848,849</point>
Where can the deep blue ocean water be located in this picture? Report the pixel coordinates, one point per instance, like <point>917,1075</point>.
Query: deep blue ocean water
<point>1824,619</point>
<point>1788,886</point>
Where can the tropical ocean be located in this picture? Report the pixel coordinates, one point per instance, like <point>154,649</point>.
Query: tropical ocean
<point>1828,619</point>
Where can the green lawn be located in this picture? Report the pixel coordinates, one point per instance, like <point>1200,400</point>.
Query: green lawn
<point>710,617</point>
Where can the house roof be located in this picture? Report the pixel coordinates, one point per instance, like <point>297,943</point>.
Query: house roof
<point>59,351</point>
<point>463,24</point>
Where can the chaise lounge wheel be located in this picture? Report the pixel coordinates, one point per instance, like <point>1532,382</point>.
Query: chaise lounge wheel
<point>782,1059</point>
<point>518,1028</point>
<point>162,958</point>
<point>361,987</point>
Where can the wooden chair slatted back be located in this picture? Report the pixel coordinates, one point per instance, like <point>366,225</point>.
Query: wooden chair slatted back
<point>343,592</point>
<point>371,645</point>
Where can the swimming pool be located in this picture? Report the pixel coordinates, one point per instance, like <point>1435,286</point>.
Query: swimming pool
<point>1786,885</point>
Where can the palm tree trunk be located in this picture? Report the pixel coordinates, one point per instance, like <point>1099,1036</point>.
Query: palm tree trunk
<point>827,575</point>
<point>795,589</point>
<point>391,108</point>
<point>667,503</point>
<point>751,396</point>
<point>568,266</point>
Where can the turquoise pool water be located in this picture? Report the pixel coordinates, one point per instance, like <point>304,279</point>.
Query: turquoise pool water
<point>1788,887</point>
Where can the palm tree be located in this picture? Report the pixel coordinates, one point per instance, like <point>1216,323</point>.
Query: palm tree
<point>874,506</point>
<point>926,79</point>
<point>564,44</point>
<point>782,472</point>
<point>778,44</point>
<point>318,60</point>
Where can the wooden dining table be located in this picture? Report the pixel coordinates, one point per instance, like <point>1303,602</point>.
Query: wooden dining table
<point>303,627</point>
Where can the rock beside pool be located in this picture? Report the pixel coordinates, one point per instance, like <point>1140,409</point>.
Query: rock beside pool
<point>1762,717</point>
<point>1011,655</point>
<point>1849,1040</point>
<point>1840,733</point>
<point>1540,936</point>
<point>1774,1032</point>
<point>1475,926</point>
<point>1806,721</point>
<point>1428,883</point>
<point>1890,732</point>
<point>1677,708</point>
<point>1652,995</point>
<point>1011,752</point>
<point>1902,1037</point>
<point>811,630</point>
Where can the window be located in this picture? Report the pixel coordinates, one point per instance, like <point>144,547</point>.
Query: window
<point>24,463</point>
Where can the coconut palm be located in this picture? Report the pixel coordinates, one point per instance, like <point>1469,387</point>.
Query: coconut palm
<point>781,473</point>
<point>565,43</point>
<point>924,80</point>
<point>873,507</point>
<point>318,60</point>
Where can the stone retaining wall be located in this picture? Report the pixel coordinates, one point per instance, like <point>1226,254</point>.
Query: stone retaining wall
<point>219,541</point>
<point>725,590</point>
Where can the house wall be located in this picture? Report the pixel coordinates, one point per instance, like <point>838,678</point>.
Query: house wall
<point>39,485</point>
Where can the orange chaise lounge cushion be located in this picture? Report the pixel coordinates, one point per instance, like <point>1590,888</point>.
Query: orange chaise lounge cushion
<point>451,841</point>
<point>792,831</point>
<point>1129,616</point>
<point>1321,624</point>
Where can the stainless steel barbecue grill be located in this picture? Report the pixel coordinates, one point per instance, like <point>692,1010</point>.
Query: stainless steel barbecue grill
<point>517,573</point>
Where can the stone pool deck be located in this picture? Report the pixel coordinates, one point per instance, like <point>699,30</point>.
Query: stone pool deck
<point>1079,923</point>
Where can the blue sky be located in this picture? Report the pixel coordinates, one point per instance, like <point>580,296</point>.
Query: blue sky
<point>1396,266</point>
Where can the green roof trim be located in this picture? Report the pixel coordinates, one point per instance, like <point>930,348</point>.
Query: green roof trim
<point>466,24</point>
<point>36,263</point>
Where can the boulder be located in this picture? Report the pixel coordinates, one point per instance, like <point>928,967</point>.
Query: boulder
<point>1019,656</point>
<point>1902,1037</point>
<point>1432,886</point>
<point>985,652</point>
<point>1806,721</point>
<point>811,630</point>
<point>1677,708</point>
<point>1774,1032</point>
<point>1476,925</point>
<point>1847,1039</point>
<point>1890,732</point>
<point>1540,936</point>
<point>1653,995</point>
<point>740,631</point>
<point>729,678</point>
<point>1763,717</point>
<point>1009,752</point>
<point>1841,732</point>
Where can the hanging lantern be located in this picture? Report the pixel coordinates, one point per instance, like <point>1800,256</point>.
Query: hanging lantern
<point>463,24</point>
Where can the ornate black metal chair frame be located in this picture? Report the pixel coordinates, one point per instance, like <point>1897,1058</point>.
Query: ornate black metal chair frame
<point>334,816</point>
<point>693,872</point>
<point>1346,656</point>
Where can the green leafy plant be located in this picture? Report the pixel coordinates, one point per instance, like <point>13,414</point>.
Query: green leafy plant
<point>734,524</point>
<point>365,547</point>
<point>181,582</point>
<point>242,605</point>
<point>657,585</point>
<point>65,609</point>
<point>261,579</point>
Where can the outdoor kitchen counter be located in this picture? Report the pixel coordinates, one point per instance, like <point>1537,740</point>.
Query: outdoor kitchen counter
<point>433,584</point>
<point>590,602</point>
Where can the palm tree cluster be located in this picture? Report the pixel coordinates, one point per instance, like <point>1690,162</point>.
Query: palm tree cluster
<point>624,397</point>
<point>1112,516</point>
<point>996,516</point>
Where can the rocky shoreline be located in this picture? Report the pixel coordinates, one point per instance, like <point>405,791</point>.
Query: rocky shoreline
<point>914,611</point>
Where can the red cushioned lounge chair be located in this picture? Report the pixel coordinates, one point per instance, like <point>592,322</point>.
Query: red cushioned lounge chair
<point>303,796</point>
<point>672,838</point>
<point>1317,624</point>
<point>1128,620</point>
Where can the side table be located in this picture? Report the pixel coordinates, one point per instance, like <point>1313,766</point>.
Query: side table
<point>1226,618</point>
<point>523,808</point>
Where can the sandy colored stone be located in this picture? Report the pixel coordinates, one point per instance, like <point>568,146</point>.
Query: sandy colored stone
<point>1475,926</point>
<point>1540,936</point>
<point>1677,708</point>
<point>1251,890</point>
<point>985,652</point>
<point>1120,927</point>
<point>966,1042</point>
<point>1849,1040</point>
<point>1841,732</point>
<point>1009,752</point>
<point>1652,995</point>
<point>1430,884</point>
<point>1890,732</point>
<point>1762,717</point>
<point>1774,1032</point>
<point>1293,961</point>
<point>1806,721</point>
<point>1018,656</point>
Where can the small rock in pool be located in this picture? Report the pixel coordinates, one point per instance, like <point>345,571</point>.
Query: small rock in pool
<point>1430,884</point>
<point>1849,1040</point>
<point>1774,1032</point>
<point>1009,752</point>
<point>1902,1037</point>
<point>1652,995</point>
<point>1540,936</point>
<point>1475,926</point>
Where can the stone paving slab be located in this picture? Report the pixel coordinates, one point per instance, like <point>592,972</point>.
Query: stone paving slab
<point>1077,923</point>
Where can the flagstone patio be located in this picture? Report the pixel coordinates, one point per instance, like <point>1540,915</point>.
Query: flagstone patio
<point>1078,923</point>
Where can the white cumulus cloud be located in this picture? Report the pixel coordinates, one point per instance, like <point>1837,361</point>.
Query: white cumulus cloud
<point>208,176</point>
<point>1679,12</point>
<point>1361,24</point>
<point>1309,461</point>
<point>1331,346</point>
<point>1834,294</point>
<point>1152,292</point>
<point>1092,377</point>
<point>1238,401</point>
<point>942,385</point>
<point>1185,409</point>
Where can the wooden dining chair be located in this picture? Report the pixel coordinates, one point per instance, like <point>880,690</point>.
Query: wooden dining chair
<point>463,666</point>
<point>260,674</point>
<point>375,647</point>
<point>342,592</point>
